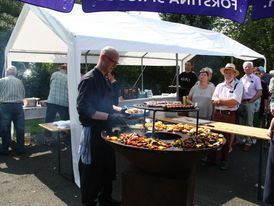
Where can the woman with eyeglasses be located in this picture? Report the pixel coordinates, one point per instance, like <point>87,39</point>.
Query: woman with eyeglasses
<point>261,104</point>
<point>200,95</point>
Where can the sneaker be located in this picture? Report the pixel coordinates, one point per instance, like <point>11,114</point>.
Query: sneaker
<point>224,166</point>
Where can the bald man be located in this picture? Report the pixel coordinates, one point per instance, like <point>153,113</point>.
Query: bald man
<point>97,113</point>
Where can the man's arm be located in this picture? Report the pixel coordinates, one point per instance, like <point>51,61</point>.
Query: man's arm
<point>224,102</point>
<point>258,95</point>
<point>100,115</point>
<point>269,131</point>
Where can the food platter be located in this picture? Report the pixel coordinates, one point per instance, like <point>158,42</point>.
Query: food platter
<point>166,141</point>
<point>136,112</point>
<point>162,108</point>
<point>170,106</point>
<point>161,161</point>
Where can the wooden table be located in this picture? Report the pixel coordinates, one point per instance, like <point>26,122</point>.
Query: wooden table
<point>54,128</point>
<point>254,132</point>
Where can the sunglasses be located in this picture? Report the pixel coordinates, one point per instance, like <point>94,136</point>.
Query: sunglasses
<point>110,59</point>
<point>257,73</point>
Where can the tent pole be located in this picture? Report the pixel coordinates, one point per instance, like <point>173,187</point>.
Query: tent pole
<point>142,70</point>
<point>142,77</point>
<point>177,77</point>
<point>86,60</point>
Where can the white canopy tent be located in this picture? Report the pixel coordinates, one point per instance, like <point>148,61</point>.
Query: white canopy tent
<point>43,35</point>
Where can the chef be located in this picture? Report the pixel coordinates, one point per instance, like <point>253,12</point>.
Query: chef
<point>96,113</point>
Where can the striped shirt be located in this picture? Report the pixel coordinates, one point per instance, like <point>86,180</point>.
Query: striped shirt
<point>58,93</point>
<point>11,90</point>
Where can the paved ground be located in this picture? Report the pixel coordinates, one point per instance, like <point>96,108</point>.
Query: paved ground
<point>33,180</point>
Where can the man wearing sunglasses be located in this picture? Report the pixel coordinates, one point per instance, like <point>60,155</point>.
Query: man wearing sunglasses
<point>96,114</point>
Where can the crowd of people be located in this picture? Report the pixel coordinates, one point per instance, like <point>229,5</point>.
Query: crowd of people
<point>232,101</point>
<point>244,100</point>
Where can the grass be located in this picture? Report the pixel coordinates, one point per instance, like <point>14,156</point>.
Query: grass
<point>32,127</point>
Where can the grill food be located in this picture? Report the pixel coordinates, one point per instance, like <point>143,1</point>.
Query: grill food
<point>202,140</point>
<point>169,105</point>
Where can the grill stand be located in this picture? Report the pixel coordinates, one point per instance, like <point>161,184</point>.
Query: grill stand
<point>145,189</point>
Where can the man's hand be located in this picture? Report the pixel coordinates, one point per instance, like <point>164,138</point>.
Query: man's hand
<point>123,112</point>
<point>115,120</point>
<point>215,101</point>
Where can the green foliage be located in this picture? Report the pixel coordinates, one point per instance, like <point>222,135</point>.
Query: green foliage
<point>37,83</point>
<point>31,126</point>
<point>257,35</point>
<point>156,78</point>
<point>205,22</point>
<point>9,11</point>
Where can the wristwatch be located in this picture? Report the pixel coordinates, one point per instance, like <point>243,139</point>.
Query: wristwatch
<point>219,101</point>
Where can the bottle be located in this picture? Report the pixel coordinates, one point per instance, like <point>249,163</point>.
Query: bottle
<point>27,139</point>
<point>184,100</point>
<point>0,140</point>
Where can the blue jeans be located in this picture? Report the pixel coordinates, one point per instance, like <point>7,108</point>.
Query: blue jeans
<point>12,112</point>
<point>52,110</point>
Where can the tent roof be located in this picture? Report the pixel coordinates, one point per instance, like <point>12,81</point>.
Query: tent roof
<point>43,35</point>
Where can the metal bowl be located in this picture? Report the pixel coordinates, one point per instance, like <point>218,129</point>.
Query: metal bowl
<point>31,102</point>
<point>43,103</point>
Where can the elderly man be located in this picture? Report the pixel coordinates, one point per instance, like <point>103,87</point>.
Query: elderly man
<point>226,99</point>
<point>12,93</point>
<point>96,113</point>
<point>252,91</point>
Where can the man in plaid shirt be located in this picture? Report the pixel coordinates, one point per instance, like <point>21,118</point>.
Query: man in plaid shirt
<point>57,101</point>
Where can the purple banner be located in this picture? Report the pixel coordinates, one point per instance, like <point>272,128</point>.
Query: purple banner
<point>262,9</point>
<point>58,5</point>
<point>230,9</point>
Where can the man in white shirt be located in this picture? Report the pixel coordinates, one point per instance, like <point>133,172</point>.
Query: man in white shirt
<point>252,91</point>
<point>226,99</point>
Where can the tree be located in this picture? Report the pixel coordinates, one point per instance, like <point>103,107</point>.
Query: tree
<point>9,11</point>
<point>205,22</point>
<point>257,35</point>
<point>37,83</point>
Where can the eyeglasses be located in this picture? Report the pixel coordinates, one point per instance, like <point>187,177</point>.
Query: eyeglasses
<point>110,59</point>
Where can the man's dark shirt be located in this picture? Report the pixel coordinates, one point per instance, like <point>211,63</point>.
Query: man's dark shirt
<point>266,78</point>
<point>186,81</point>
<point>95,94</point>
<point>116,92</point>
<point>265,95</point>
